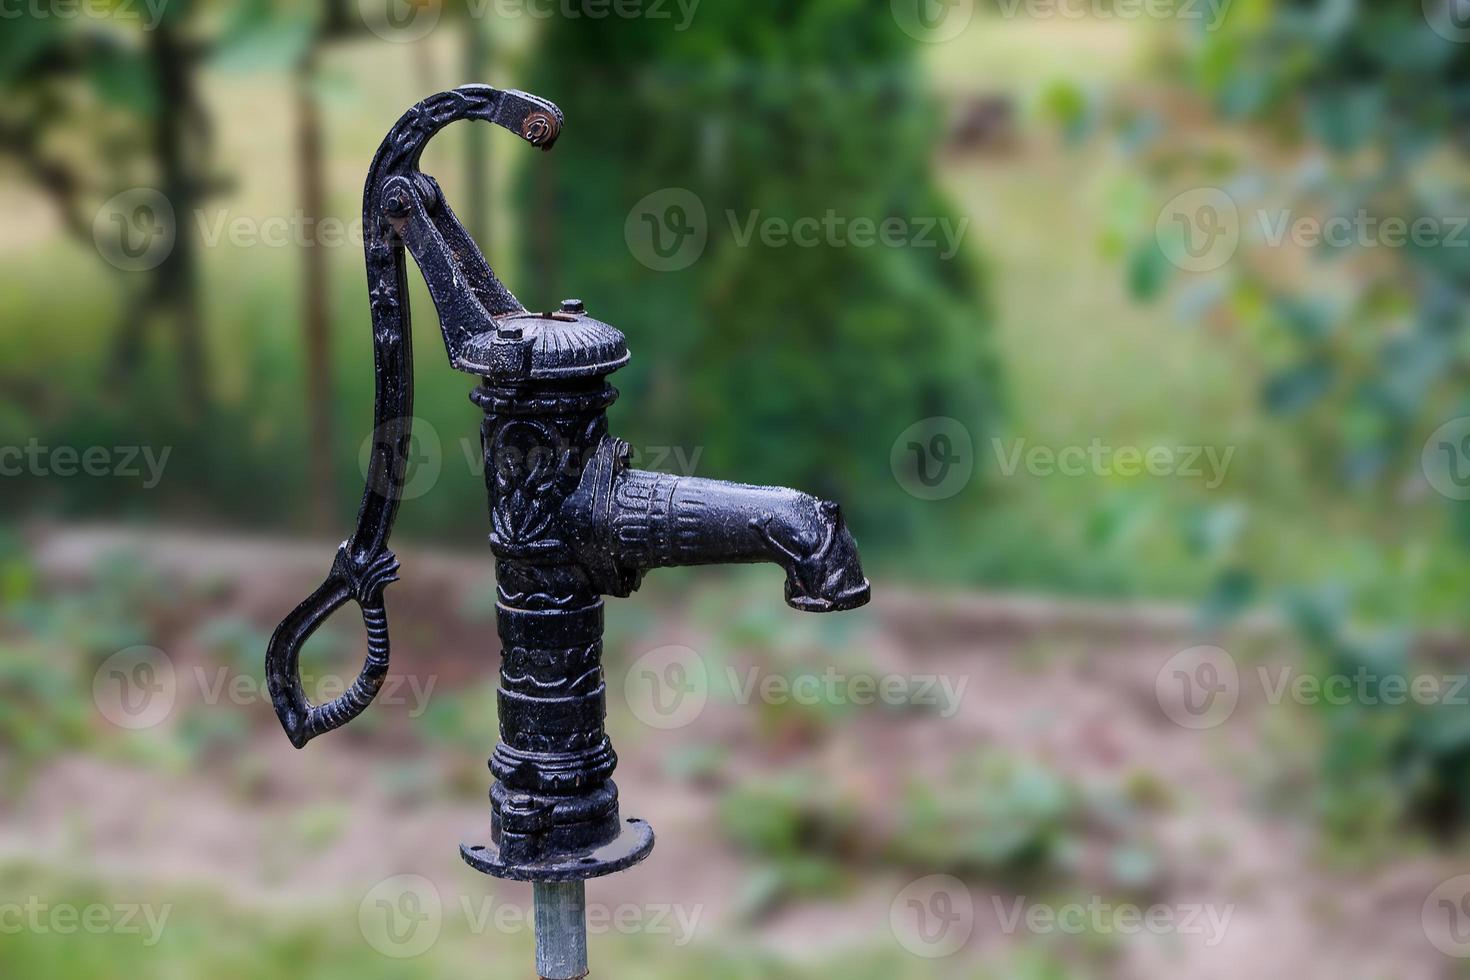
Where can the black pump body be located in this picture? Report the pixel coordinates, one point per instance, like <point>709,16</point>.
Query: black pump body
<point>571,521</point>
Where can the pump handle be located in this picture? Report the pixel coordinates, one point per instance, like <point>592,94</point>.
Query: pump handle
<point>364,565</point>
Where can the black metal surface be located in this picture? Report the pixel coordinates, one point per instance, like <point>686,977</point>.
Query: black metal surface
<point>570,521</point>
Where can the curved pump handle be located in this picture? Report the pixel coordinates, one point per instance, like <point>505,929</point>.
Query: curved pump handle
<point>401,207</point>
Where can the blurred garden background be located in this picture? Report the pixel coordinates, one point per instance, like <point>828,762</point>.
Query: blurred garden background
<point>1129,333</point>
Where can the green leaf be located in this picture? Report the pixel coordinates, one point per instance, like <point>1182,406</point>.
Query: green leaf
<point>1296,388</point>
<point>1210,531</point>
<point>1309,318</point>
<point>123,78</point>
<point>1346,118</point>
<point>1148,269</point>
<point>272,45</point>
<point>1068,106</point>
<point>1231,594</point>
<point>23,41</point>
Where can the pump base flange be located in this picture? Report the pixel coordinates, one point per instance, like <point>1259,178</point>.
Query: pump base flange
<point>631,846</point>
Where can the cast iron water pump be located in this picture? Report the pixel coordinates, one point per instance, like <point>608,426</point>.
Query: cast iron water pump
<point>570,523</point>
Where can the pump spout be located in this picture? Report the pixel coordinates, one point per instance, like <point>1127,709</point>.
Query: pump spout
<point>649,520</point>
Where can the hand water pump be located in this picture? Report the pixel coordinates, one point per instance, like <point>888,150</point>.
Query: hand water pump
<point>571,522</point>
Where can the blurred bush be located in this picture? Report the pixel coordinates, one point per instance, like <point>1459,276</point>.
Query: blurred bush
<point>1296,111</point>
<point>788,365</point>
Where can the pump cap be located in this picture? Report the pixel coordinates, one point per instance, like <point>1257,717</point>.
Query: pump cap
<point>566,343</point>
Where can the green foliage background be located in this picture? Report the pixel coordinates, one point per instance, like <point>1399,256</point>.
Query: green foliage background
<point>796,366</point>
<point>1306,114</point>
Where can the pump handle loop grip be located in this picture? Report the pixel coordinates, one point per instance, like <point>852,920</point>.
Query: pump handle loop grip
<point>364,564</point>
<point>303,720</point>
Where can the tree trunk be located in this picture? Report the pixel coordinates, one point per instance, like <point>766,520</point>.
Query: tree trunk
<point>315,315</point>
<point>177,286</point>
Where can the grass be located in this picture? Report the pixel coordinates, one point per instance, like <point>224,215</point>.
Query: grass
<point>166,933</point>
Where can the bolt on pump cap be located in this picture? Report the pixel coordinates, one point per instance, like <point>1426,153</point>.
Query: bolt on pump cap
<point>563,343</point>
